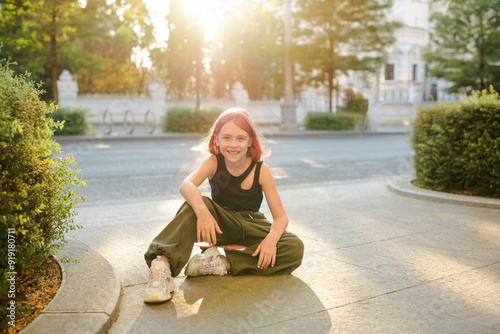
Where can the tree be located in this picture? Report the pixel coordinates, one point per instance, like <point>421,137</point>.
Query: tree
<point>105,37</point>
<point>466,42</point>
<point>94,42</point>
<point>181,62</point>
<point>35,33</point>
<point>334,36</point>
<point>250,48</point>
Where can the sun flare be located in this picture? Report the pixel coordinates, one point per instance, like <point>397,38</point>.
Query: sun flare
<point>206,12</point>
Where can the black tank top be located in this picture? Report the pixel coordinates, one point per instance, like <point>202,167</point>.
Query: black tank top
<point>227,191</point>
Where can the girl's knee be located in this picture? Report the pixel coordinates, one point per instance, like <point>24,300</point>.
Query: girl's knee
<point>295,247</point>
<point>299,247</point>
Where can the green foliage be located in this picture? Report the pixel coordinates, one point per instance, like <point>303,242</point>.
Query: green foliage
<point>251,50</point>
<point>457,145</point>
<point>329,121</point>
<point>37,182</point>
<point>180,63</point>
<point>187,119</point>
<point>355,102</point>
<point>466,39</point>
<point>94,42</point>
<point>73,120</point>
<point>359,104</point>
<point>247,48</point>
<point>325,28</point>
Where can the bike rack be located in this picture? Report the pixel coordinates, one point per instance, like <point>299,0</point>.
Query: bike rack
<point>150,116</point>
<point>128,122</point>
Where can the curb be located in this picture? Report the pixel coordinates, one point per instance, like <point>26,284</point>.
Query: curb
<point>87,305</point>
<point>402,185</point>
<point>267,135</point>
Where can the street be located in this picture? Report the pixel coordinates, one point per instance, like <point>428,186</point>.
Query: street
<point>139,169</point>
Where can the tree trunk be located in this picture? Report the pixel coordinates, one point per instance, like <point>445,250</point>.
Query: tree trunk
<point>197,84</point>
<point>331,71</point>
<point>53,56</point>
<point>330,91</point>
<point>197,74</point>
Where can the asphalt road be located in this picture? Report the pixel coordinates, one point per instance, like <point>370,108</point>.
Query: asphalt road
<point>138,169</point>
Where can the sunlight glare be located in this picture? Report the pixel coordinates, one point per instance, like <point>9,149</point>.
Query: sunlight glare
<point>206,13</point>
<point>158,11</point>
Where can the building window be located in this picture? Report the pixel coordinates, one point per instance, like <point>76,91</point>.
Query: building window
<point>414,73</point>
<point>389,72</point>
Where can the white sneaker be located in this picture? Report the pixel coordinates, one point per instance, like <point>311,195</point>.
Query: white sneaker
<point>207,263</point>
<point>160,283</point>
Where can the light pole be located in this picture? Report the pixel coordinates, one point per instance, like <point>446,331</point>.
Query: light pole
<point>288,111</point>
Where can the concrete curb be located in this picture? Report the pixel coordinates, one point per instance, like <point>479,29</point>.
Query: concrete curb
<point>402,185</point>
<point>267,134</point>
<point>88,299</point>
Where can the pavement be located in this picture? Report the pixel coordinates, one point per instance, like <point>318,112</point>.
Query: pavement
<point>381,256</point>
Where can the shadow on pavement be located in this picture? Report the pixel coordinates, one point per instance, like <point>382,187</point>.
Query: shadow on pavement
<point>231,304</point>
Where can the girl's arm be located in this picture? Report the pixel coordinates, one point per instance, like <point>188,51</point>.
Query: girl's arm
<point>267,247</point>
<point>206,224</point>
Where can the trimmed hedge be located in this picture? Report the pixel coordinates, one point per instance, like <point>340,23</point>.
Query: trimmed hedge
<point>457,146</point>
<point>37,182</point>
<point>73,120</point>
<point>329,121</point>
<point>187,119</point>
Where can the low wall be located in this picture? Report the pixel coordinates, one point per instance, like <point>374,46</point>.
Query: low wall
<point>263,112</point>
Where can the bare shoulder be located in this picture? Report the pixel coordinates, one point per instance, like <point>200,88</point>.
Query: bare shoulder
<point>209,165</point>
<point>266,176</point>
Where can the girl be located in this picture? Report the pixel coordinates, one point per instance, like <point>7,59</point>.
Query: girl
<point>238,180</point>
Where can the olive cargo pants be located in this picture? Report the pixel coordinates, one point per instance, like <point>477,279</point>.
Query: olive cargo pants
<point>241,227</point>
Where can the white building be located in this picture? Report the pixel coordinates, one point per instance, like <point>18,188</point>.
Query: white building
<point>401,84</point>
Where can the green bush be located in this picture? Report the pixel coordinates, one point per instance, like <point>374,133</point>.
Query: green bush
<point>37,181</point>
<point>457,146</point>
<point>187,119</point>
<point>328,121</point>
<point>359,104</point>
<point>354,102</point>
<point>74,121</point>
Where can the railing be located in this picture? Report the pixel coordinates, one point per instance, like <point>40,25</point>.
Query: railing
<point>396,97</point>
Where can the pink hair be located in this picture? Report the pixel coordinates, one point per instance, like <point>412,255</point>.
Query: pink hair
<point>241,118</point>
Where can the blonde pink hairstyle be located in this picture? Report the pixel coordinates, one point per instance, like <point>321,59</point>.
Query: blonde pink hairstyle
<point>242,119</point>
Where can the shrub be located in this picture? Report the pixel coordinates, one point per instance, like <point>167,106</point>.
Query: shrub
<point>359,104</point>
<point>187,119</point>
<point>328,121</point>
<point>457,145</point>
<point>74,121</point>
<point>36,180</point>
<point>354,102</point>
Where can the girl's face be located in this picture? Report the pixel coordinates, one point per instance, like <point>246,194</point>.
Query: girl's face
<point>233,142</point>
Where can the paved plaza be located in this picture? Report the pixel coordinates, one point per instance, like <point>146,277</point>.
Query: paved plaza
<point>377,260</point>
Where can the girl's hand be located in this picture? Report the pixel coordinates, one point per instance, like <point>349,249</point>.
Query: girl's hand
<point>206,227</point>
<point>267,250</point>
